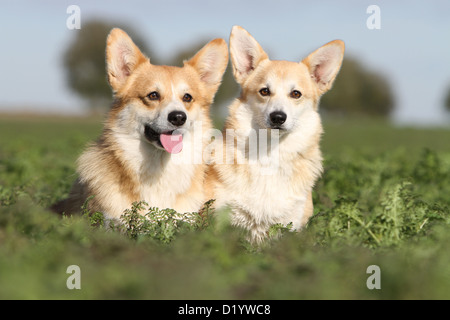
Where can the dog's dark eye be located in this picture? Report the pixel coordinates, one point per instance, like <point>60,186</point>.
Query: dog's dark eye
<point>264,92</point>
<point>154,95</point>
<point>187,97</point>
<point>296,94</point>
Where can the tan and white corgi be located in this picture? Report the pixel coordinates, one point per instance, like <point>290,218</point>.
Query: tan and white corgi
<point>146,148</point>
<point>280,99</point>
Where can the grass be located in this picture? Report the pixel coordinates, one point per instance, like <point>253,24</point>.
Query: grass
<point>383,200</point>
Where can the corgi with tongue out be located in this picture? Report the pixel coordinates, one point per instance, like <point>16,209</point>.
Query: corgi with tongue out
<point>146,151</point>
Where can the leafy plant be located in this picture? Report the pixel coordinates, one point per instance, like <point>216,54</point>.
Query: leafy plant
<point>162,225</point>
<point>278,230</point>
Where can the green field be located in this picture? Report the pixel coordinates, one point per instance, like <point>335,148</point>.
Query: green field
<point>383,200</point>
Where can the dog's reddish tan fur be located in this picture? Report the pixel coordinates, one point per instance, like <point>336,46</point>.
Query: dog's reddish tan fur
<point>124,166</point>
<point>293,89</point>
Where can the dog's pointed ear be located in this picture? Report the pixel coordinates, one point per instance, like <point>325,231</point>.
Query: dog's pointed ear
<point>324,64</point>
<point>122,58</point>
<point>210,62</point>
<point>245,52</point>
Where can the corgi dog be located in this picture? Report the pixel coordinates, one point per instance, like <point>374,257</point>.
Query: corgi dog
<point>279,98</point>
<point>146,147</point>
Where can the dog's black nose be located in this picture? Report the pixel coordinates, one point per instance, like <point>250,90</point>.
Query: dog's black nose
<point>277,118</point>
<point>177,118</point>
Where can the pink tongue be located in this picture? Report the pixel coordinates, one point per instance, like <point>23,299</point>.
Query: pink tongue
<point>173,143</point>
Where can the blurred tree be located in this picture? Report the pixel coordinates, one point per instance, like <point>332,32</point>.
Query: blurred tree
<point>84,62</point>
<point>358,91</point>
<point>447,100</point>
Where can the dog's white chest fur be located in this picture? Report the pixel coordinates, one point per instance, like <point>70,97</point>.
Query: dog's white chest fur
<point>270,197</point>
<point>163,177</point>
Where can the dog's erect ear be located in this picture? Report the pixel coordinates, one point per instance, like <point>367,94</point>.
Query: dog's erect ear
<point>246,53</point>
<point>324,64</point>
<point>122,58</point>
<point>210,62</point>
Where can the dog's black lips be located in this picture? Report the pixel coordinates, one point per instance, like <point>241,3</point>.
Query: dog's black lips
<point>152,135</point>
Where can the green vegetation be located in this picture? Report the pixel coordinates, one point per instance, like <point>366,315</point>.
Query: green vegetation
<point>383,200</point>
<point>447,101</point>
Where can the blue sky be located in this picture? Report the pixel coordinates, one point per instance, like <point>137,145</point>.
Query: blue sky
<point>412,48</point>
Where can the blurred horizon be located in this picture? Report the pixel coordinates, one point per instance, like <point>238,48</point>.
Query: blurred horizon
<point>411,49</point>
